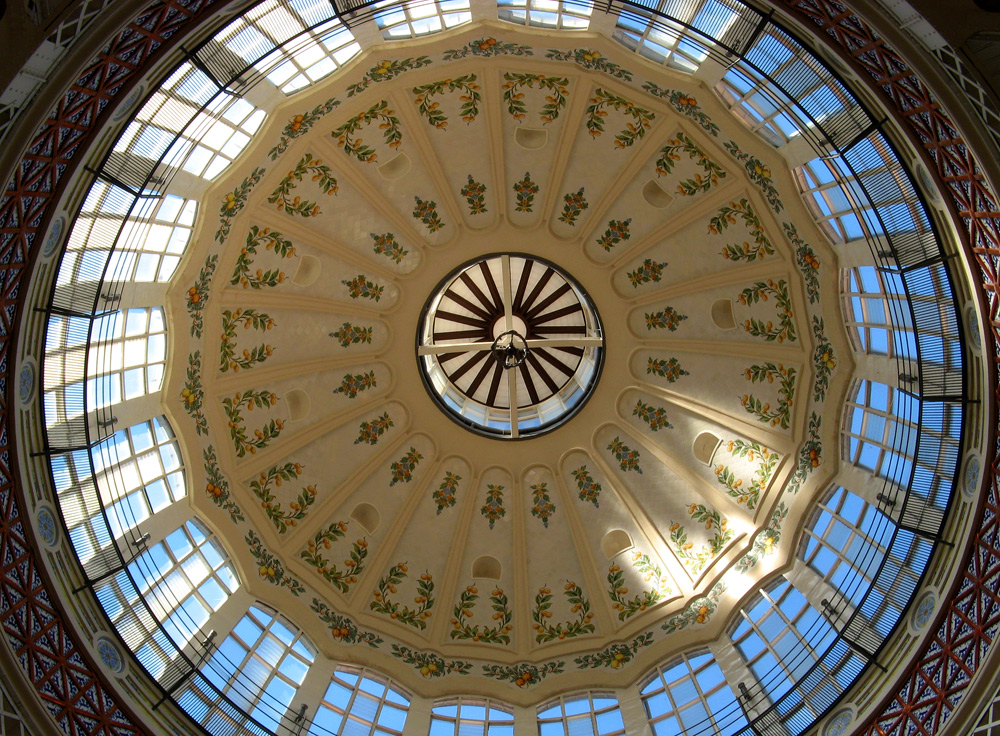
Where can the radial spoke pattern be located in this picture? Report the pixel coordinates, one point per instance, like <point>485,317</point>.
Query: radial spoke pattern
<point>497,295</point>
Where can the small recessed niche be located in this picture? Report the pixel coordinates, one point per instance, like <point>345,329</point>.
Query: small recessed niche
<point>486,567</point>
<point>705,445</point>
<point>395,167</point>
<point>722,314</point>
<point>307,272</point>
<point>531,138</point>
<point>298,404</point>
<point>615,542</point>
<point>367,516</point>
<point>654,195</point>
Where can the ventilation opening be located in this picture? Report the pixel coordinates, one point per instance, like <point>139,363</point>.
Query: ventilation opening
<point>396,167</point>
<point>722,314</point>
<point>531,138</point>
<point>615,542</point>
<point>705,446</point>
<point>367,516</point>
<point>307,272</point>
<point>486,567</point>
<point>654,195</point>
<point>298,404</point>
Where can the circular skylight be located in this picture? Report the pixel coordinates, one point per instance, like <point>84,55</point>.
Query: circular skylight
<point>510,345</point>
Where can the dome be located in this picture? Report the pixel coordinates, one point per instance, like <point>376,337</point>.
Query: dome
<point>429,364</point>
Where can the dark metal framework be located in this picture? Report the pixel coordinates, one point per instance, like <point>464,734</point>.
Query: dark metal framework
<point>59,667</point>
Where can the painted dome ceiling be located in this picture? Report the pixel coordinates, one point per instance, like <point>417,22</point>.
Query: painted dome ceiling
<point>387,528</point>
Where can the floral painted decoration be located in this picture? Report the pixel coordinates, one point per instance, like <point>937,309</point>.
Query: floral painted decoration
<point>760,291</point>
<point>430,109</point>
<point>360,287</point>
<point>650,271</point>
<point>229,360</point>
<point>321,173</point>
<point>726,216</point>
<point>685,104</point>
<point>824,360</point>
<point>386,245</point>
<point>768,372</point>
<point>523,675</point>
<point>193,393</point>
<point>810,456</point>
<point>555,101</point>
<point>749,495</point>
<point>269,567</point>
<point>386,70</point>
<point>670,154</point>
<point>590,489</point>
<point>217,487</point>
<point>487,46</point>
<point>525,190</point>
<point>233,202</point>
<point>301,124</point>
<point>342,629</point>
<point>348,334</point>
<point>542,507</point>
<point>655,417</point>
<point>499,633</point>
<point>669,369</point>
<point>699,611</point>
<point>628,607</point>
<point>493,509</point>
<point>474,193</point>
<point>262,488</point>
<point>444,494</point>
<point>234,412</point>
<point>402,469</point>
<point>196,298</point>
<point>270,277</point>
<point>759,174</point>
<point>382,599</point>
<point>369,432</point>
<point>426,211</point>
<point>615,656</point>
<point>713,520</point>
<point>667,318</point>
<point>351,385</point>
<point>591,59</point>
<point>766,541</point>
<point>392,136</point>
<point>541,614</point>
<point>429,664</point>
<point>314,556</point>
<point>806,260</point>
<point>642,118</point>
<point>628,459</point>
<point>574,203</point>
<point>618,230</point>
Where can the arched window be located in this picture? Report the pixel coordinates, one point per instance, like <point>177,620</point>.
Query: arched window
<point>880,430</point>
<point>358,702</point>
<point>590,713</point>
<point>785,642</point>
<point>568,14</point>
<point>414,19</point>
<point>846,541</point>
<point>127,353</point>
<point>136,473</point>
<point>690,692</point>
<point>462,716</point>
<point>322,49</point>
<point>259,667</point>
<point>877,316</point>
<point>182,579</point>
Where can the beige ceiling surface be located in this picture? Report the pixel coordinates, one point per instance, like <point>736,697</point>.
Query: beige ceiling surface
<point>348,498</point>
